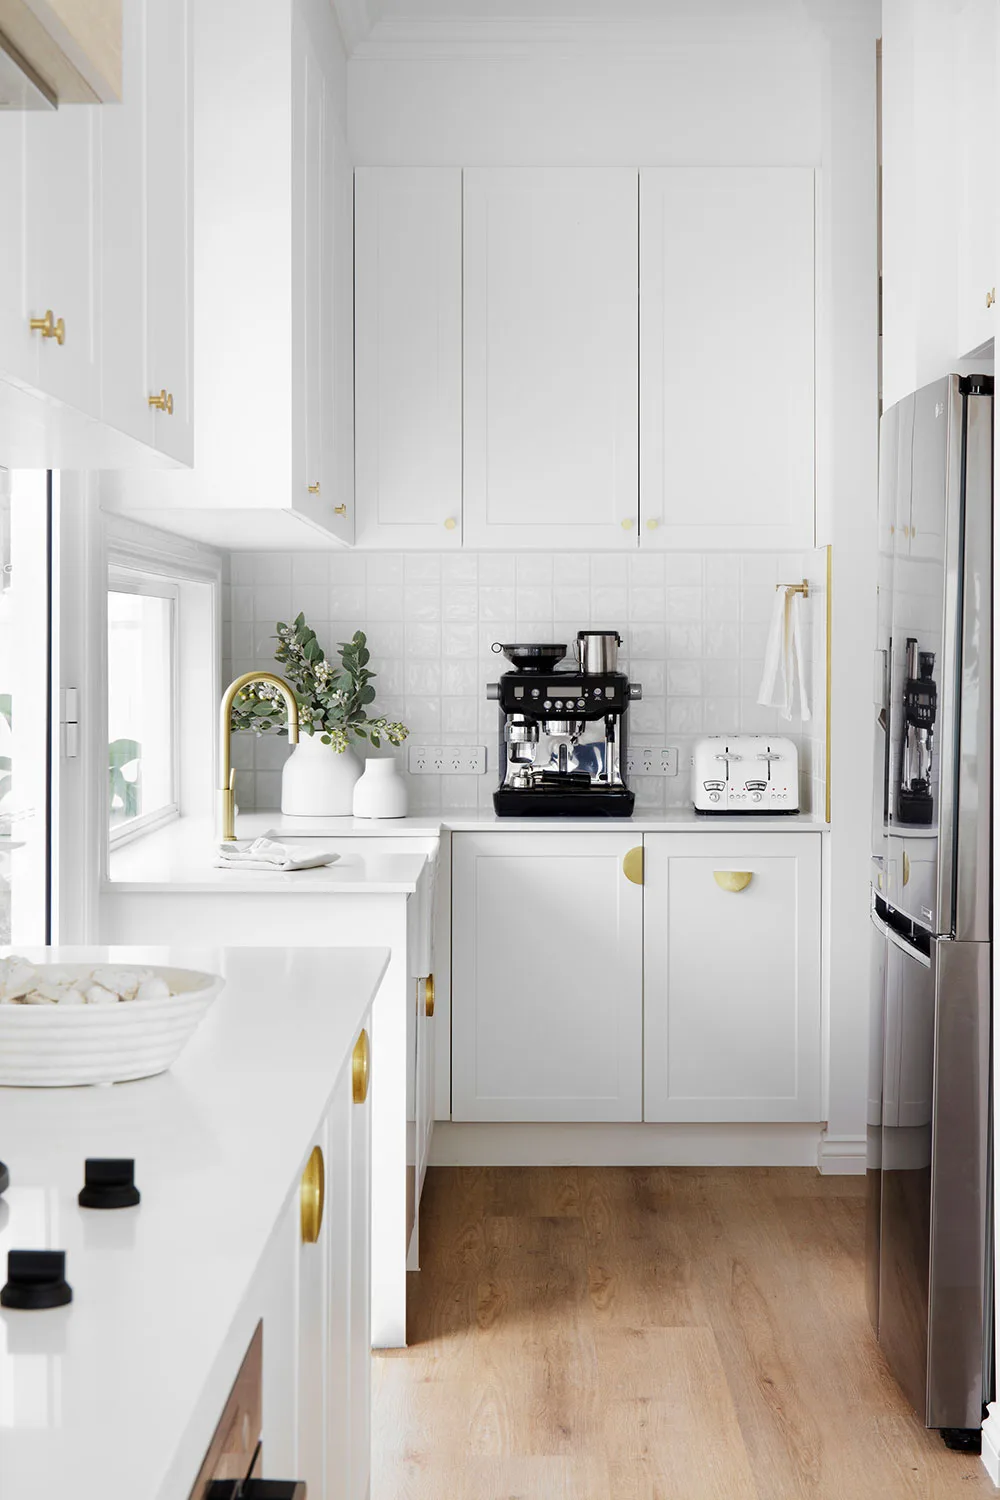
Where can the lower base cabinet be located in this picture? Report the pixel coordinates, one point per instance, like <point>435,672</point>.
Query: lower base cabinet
<point>580,995</point>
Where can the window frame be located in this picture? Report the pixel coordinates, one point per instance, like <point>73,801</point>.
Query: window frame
<point>124,579</point>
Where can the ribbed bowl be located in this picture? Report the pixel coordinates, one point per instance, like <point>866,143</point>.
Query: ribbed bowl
<point>56,1046</point>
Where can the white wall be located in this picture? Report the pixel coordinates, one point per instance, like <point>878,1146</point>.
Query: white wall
<point>799,87</point>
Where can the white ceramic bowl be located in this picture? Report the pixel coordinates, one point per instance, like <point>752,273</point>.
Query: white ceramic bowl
<point>53,1046</point>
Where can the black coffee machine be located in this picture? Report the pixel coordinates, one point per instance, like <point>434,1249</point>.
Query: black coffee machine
<point>563,730</point>
<point>916,799</point>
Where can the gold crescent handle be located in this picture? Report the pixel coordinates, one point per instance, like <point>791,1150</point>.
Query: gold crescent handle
<point>361,1068</point>
<point>733,880</point>
<point>906,868</point>
<point>633,865</point>
<point>312,1196</point>
<point>429,995</point>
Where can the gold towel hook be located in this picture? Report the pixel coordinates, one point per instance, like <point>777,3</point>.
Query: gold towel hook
<point>795,588</point>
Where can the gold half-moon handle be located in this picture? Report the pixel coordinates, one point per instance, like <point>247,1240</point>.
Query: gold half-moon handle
<point>361,1066</point>
<point>733,880</point>
<point>312,1195</point>
<point>429,995</point>
<point>632,865</point>
<point>906,868</point>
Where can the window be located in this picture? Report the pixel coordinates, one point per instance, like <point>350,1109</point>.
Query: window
<point>142,702</point>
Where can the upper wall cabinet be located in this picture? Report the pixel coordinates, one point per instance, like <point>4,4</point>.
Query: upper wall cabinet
<point>974,147</point>
<point>96,232</point>
<point>550,357</point>
<point>727,357</point>
<point>273,455</point>
<point>408,359</point>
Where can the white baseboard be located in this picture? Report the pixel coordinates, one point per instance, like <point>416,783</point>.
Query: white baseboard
<point>991,1443</point>
<point>547,1145</point>
<point>842,1155</point>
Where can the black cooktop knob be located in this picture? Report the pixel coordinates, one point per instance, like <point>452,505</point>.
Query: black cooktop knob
<point>4,1178</point>
<point>36,1279</point>
<point>109,1182</point>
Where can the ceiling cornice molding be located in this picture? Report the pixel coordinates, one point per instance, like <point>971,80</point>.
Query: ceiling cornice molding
<point>354,19</point>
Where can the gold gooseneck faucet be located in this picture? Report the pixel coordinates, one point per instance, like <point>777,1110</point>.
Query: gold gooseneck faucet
<point>227,776</point>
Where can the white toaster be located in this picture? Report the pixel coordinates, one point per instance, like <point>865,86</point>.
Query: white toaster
<point>745,773</point>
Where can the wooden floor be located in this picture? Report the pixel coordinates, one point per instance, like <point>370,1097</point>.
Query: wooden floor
<point>647,1334</point>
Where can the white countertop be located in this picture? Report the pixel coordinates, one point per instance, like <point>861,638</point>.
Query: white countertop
<point>251,825</point>
<point>182,853</point>
<point>116,1396</point>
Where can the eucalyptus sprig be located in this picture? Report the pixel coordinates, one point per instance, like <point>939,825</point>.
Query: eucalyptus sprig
<point>332,699</point>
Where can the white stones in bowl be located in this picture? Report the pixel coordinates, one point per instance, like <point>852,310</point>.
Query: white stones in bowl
<point>25,983</point>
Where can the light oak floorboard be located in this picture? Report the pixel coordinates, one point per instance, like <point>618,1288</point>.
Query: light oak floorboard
<point>647,1334</point>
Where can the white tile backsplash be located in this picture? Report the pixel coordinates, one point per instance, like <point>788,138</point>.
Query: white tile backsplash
<point>693,626</point>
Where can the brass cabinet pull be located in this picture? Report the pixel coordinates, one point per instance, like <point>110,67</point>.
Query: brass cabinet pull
<point>733,880</point>
<point>906,868</point>
<point>50,328</point>
<point>429,995</point>
<point>340,510</point>
<point>163,402</point>
<point>312,1196</point>
<point>450,524</point>
<point>633,865</point>
<point>361,1068</point>
<point>314,489</point>
<point>991,296</point>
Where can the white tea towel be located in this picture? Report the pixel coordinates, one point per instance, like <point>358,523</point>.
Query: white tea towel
<point>267,854</point>
<point>784,658</point>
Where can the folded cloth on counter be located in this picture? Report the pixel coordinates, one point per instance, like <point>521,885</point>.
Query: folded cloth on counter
<point>784,658</point>
<point>267,854</point>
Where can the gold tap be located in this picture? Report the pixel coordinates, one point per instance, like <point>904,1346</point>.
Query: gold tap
<point>227,776</point>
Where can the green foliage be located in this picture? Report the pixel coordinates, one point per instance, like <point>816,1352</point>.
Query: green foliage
<point>123,795</point>
<point>332,698</point>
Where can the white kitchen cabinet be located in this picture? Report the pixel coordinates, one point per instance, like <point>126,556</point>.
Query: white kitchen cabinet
<point>426,1076</point>
<point>732,1001</point>
<point>408,357</point>
<point>322,1312</point>
<point>974,147</point>
<point>550,357</point>
<point>359,1373</point>
<point>546,977</point>
<point>727,306</point>
<point>273,452</point>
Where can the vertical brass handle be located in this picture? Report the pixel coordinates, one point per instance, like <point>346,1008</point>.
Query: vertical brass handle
<point>50,327</point>
<point>429,995</point>
<point>733,880</point>
<point>314,489</point>
<point>633,865</point>
<point>163,402</point>
<point>312,1196</point>
<point>361,1068</point>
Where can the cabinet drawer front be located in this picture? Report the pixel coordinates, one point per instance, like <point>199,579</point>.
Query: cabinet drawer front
<point>547,978</point>
<point>732,977</point>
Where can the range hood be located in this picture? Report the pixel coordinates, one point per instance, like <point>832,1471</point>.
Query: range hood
<point>55,52</point>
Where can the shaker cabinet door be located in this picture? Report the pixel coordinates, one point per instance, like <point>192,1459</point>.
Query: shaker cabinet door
<point>726,315</point>
<point>408,356</point>
<point>732,977</point>
<point>546,977</point>
<point>551,357</point>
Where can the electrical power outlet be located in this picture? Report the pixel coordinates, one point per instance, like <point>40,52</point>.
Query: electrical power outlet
<point>447,760</point>
<point>660,760</point>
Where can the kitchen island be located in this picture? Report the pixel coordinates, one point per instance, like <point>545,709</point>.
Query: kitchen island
<point>116,1396</point>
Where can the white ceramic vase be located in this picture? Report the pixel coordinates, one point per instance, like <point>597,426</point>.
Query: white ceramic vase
<point>381,792</point>
<point>318,781</point>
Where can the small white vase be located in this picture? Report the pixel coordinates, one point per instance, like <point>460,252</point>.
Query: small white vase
<point>381,792</point>
<point>318,781</point>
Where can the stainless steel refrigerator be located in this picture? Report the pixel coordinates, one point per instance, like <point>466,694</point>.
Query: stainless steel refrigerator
<point>929,1218</point>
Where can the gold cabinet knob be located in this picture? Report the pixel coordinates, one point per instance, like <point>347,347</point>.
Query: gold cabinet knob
<point>312,1196</point>
<point>652,523</point>
<point>450,524</point>
<point>50,328</point>
<point>314,489</point>
<point>429,995</point>
<point>163,402</point>
<point>633,865</point>
<point>339,510</point>
<point>991,296</point>
<point>733,880</point>
<point>361,1067</point>
<point>628,523</point>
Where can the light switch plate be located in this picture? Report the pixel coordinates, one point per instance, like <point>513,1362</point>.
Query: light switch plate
<point>446,760</point>
<point>660,760</point>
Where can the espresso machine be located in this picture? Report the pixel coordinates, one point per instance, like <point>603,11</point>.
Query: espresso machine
<point>563,730</point>
<point>916,800</point>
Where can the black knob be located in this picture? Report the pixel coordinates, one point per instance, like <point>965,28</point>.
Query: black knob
<point>4,1178</point>
<point>35,1279</point>
<point>109,1182</point>
<point>256,1489</point>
